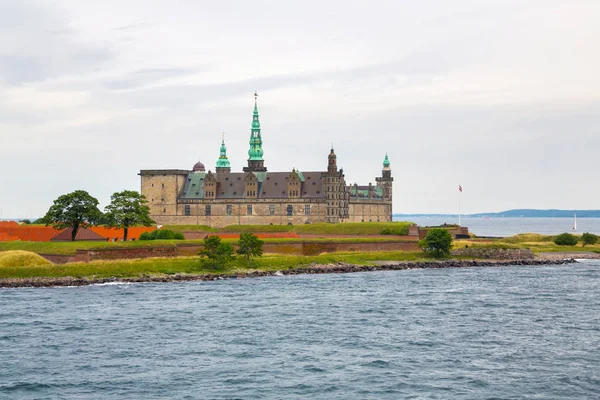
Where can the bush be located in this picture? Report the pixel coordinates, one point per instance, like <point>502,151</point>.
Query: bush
<point>565,239</point>
<point>400,231</point>
<point>162,234</point>
<point>589,238</point>
<point>437,242</point>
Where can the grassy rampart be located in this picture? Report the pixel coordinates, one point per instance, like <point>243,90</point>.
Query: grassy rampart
<point>192,265</point>
<point>71,247</point>
<point>536,242</point>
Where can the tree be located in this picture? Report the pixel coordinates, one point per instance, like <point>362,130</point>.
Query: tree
<point>26,221</point>
<point>438,242</point>
<point>565,239</point>
<point>249,245</point>
<point>127,208</point>
<point>589,238</point>
<point>218,252</point>
<point>73,210</point>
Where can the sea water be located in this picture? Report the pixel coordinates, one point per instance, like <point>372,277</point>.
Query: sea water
<point>470,333</point>
<point>513,226</point>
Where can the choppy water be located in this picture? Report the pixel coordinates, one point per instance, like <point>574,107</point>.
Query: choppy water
<point>476,333</point>
<point>513,226</point>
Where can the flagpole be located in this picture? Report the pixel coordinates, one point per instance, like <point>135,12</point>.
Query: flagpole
<point>459,192</point>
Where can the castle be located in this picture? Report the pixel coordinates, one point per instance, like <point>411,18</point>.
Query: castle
<point>256,196</point>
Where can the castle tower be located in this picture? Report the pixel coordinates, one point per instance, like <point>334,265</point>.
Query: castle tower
<point>335,191</point>
<point>255,153</point>
<point>385,181</point>
<point>223,165</point>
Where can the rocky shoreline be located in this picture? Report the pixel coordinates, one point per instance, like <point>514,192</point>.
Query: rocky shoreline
<point>340,268</point>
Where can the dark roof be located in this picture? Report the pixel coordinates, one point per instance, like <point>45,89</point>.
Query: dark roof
<point>82,234</point>
<point>362,192</point>
<point>271,185</point>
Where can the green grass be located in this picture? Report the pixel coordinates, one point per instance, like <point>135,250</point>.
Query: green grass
<point>536,242</point>
<point>197,228</point>
<point>350,228</point>
<point>19,258</point>
<point>192,265</point>
<point>69,248</point>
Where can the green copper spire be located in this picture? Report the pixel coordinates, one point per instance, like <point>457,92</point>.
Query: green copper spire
<point>223,161</point>
<point>256,152</point>
<point>386,162</point>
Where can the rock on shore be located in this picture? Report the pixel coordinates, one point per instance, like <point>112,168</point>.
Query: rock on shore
<point>338,268</point>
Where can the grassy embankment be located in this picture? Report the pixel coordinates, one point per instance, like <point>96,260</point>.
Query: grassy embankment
<point>350,228</point>
<point>536,242</point>
<point>368,228</point>
<point>192,265</point>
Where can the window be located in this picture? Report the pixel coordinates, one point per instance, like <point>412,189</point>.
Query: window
<point>164,210</point>
<point>249,209</point>
<point>290,210</point>
<point>229,209</point>
<point>207,210</point>
<point>271,209</point>
<point>186,210</point>
<point>307,209</point>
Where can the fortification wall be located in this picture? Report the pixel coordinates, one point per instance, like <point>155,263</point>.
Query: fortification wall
<point>495,254</point>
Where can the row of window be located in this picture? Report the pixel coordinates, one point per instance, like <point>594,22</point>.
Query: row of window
<point>187,210</point>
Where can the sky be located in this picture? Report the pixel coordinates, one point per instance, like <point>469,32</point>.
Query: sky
<point>501,97</point>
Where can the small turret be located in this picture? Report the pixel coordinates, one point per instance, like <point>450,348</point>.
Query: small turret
<point>223,165</point>
<point>332,162</point>
<point>386,180</point>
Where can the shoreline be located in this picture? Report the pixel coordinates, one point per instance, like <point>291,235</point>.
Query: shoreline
<point>339,268</point>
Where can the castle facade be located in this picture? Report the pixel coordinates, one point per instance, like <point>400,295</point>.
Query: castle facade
<point>256,196</point>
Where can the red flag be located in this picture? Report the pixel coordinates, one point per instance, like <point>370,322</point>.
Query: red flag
<point>459,188</point>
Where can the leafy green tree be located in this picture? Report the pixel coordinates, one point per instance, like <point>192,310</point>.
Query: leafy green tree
<point>26,221</point>
<point>249,246</point>
<point>73,210</point>
<point>127,208</point>
<point>216,251</point>
<point>437,242</point>
<point>589,238</point>
<point>566,239</point>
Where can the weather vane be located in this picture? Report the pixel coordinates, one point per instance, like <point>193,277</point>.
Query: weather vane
<point>255,95</point>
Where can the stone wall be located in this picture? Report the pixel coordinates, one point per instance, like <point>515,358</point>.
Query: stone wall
<point>310,248</point>
<point>495,254</point>
<point>294,248</point>
<point>370,210</point>
<point>161,189</point>
<point>113,254</point>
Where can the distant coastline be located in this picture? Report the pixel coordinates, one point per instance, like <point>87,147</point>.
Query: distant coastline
<point>516,213</point>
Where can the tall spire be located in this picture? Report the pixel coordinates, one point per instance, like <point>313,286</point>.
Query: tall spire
<point>223,161</point>
<point>386,162</point>
<point>255,153</point>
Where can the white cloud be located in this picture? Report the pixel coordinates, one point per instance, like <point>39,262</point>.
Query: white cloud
<point>501,96</point>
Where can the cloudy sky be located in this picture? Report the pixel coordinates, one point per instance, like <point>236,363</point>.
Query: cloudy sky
<point>500,96</point>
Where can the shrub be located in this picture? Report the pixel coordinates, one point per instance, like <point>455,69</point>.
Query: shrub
<point>400,231</point>
<point>162,234</point>
<point>565,239</point>
<point>589,238</point>
<point>437,242</point>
